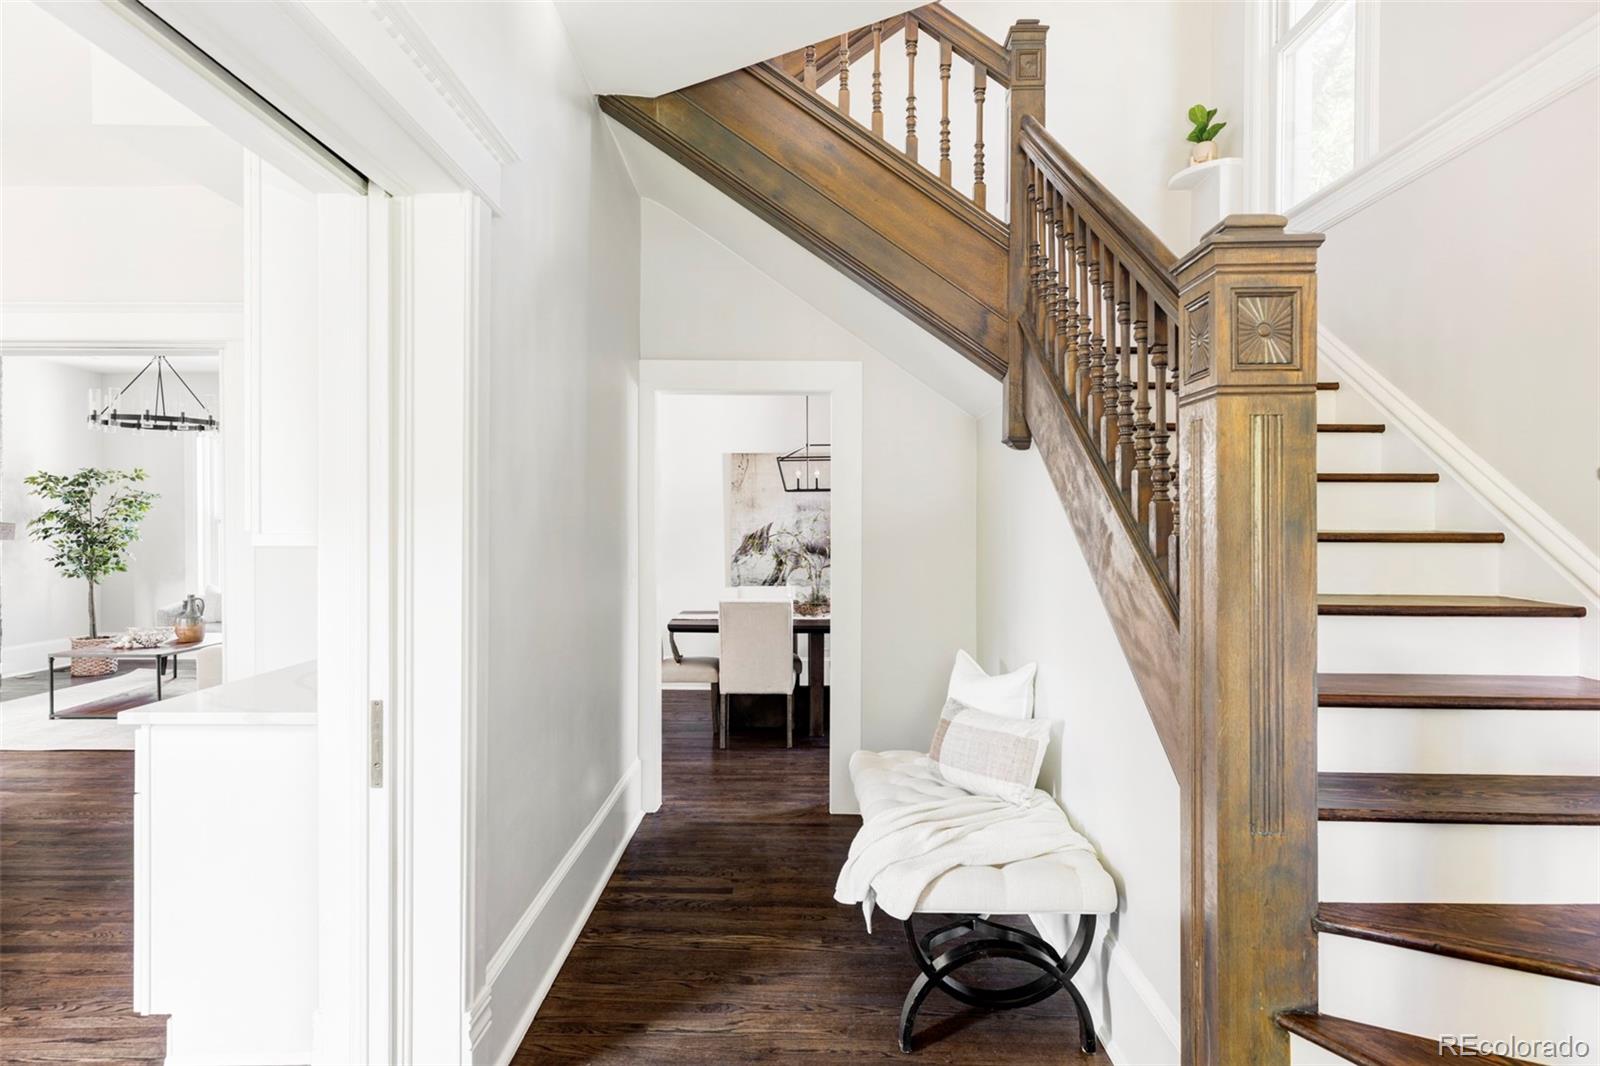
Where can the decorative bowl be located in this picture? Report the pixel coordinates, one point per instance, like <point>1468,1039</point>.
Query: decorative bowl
<point>148,637</point>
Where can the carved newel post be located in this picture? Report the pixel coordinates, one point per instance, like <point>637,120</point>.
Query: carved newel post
<point>1248,625</point>
<point>1025,46</point>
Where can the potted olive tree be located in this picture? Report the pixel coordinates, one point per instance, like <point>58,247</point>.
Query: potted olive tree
<point>94,518</point>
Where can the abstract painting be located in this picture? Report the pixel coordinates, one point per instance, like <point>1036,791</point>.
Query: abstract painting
<point>776,537</point>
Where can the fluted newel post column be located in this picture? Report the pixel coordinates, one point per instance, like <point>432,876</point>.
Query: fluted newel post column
<point>1025,46</point>
<point>1246,445</point>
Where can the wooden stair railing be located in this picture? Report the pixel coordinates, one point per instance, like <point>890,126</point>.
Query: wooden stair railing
<point>818,65</point>
<point>1200,529</point>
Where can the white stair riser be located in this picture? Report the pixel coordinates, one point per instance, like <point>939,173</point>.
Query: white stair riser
<point>1413,862</point>
<point>1327,405</point>
<point>1430,995</point>
<point>1409,569</point>
<point>1375,740</point>
<point>1350,453</point>
<point>1386,644</point>
<point>1374,505</point>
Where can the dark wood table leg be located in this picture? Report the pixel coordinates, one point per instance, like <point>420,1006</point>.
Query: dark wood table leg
<point>815,680</point>
<point>51,676</point>
<point>161,668</point>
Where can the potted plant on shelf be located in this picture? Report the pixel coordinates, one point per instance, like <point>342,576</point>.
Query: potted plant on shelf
<point>94,520</point>
<point>1204,134</point>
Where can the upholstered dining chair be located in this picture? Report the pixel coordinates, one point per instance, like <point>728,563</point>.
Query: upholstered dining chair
<point>693,669</point>
<point>758,656</point>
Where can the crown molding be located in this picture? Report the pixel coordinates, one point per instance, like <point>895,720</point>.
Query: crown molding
<point>409,36</point>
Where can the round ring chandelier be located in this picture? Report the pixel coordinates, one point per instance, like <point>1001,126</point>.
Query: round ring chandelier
<point>158,419</point>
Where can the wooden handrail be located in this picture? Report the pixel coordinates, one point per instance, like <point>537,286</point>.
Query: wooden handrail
<point>1139,240</point>
<point>969,42</point>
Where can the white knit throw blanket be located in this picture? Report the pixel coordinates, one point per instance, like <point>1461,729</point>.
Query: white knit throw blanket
<point>898,854</point>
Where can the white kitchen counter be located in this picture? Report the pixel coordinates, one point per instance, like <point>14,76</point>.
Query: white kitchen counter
<point>281,697</point>
<point>225,869</point>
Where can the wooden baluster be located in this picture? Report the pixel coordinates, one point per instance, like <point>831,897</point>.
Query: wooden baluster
<point>1085,351</point>
<point>1035,257</point>
<point>1248,632</point>
<point>1070,320</point>
<point>1124,463</point>
<point>1058,341</point>
<point>1047,217</point>
<point>945,53</point>
<point>980,88</point>
<point>877,80</point>
<point>1096,342</point>
<point>809,78</point>
<point>1110,391</point>
<point>844,73</point>
<point>1141,406</point>
<point>1175,340</point>
<point>1160,470</point>
<point>911,87</point>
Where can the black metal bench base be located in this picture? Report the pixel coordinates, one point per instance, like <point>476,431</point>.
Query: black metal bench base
<point>996,941</point>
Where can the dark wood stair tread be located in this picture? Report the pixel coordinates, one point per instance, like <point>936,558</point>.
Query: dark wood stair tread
<point>1551,939</point>
<point>1330,427</point>
<point>1477,799</point>
<point>1445,606</point>
<point>1377,479</point>
<point>1368,1045</point>
<point>1531,692</point>
<point>1407,536</point>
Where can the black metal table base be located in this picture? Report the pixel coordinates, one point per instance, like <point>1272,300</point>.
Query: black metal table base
<point>992,940</point>
<point>161,669</point>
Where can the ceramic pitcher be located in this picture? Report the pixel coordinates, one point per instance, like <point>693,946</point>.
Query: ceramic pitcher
<point>190,625</point>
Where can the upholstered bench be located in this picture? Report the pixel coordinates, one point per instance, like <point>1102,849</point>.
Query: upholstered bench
<point>1070,882</point>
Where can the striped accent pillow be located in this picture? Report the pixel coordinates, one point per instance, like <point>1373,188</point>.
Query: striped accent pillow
<point>989,754</point>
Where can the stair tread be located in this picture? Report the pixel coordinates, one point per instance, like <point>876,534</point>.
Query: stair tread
<point>1487,799</point>
<point>1378,479</point>
<point>1330,427</point>
<point>1444,606</point>
<point>1408,536</point>
<point>1552,939</point>
<point>1510,691</point>
<point>1369,1045</point>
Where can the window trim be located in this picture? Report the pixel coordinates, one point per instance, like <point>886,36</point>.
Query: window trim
<point>1274,39</point>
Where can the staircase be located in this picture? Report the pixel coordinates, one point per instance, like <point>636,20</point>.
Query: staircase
<point>1389,766</point>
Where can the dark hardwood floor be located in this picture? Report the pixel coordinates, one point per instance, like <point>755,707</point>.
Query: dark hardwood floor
<point>717,940</point>
<point>66,911</point>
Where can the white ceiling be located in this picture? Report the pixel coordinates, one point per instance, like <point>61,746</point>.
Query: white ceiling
<point>638,48</point>
<point>74,116</point>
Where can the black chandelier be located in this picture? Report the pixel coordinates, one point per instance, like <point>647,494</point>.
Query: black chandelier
<point>806,469</point>
<point>158,419</point>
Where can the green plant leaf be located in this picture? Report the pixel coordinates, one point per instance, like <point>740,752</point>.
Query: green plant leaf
<point>1197,114</point>
<point>1211,133</point>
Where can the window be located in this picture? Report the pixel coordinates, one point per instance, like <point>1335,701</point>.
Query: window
<point>1324,65</point>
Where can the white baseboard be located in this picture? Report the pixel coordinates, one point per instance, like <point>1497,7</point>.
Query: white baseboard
<point>523,968</point>
<point>1150,1034</point>
<point>1553,541</point>
<point>27,658</point>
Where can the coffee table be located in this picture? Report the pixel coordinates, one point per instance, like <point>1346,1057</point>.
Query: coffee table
<point>160,654</point>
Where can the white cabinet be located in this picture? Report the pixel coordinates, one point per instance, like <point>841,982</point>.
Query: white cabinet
<point>225,883</point>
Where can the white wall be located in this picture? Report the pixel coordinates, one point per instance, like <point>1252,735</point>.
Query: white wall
<point>1118,80</point>
<point>43,428</point>
<point>1037,602</point>
<point>555,473</point>
<point>693,434</point>
<point>701,301</point>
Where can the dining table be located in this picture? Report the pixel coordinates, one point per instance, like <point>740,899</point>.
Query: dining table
<point>814,627</point>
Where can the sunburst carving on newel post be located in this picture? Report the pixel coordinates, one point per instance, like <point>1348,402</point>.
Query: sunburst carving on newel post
<point>1263,333</point>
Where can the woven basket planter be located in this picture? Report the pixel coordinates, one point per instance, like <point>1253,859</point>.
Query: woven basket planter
<point>85,667</point>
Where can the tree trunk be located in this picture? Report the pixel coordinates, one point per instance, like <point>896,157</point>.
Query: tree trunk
<point>93,632</point>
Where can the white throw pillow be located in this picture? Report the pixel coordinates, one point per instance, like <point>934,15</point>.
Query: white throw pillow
<point>1008,695</point>
<point>989,754</point>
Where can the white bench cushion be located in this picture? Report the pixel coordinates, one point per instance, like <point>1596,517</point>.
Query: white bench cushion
<point>703,670</point>
<point>1070,883</point>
